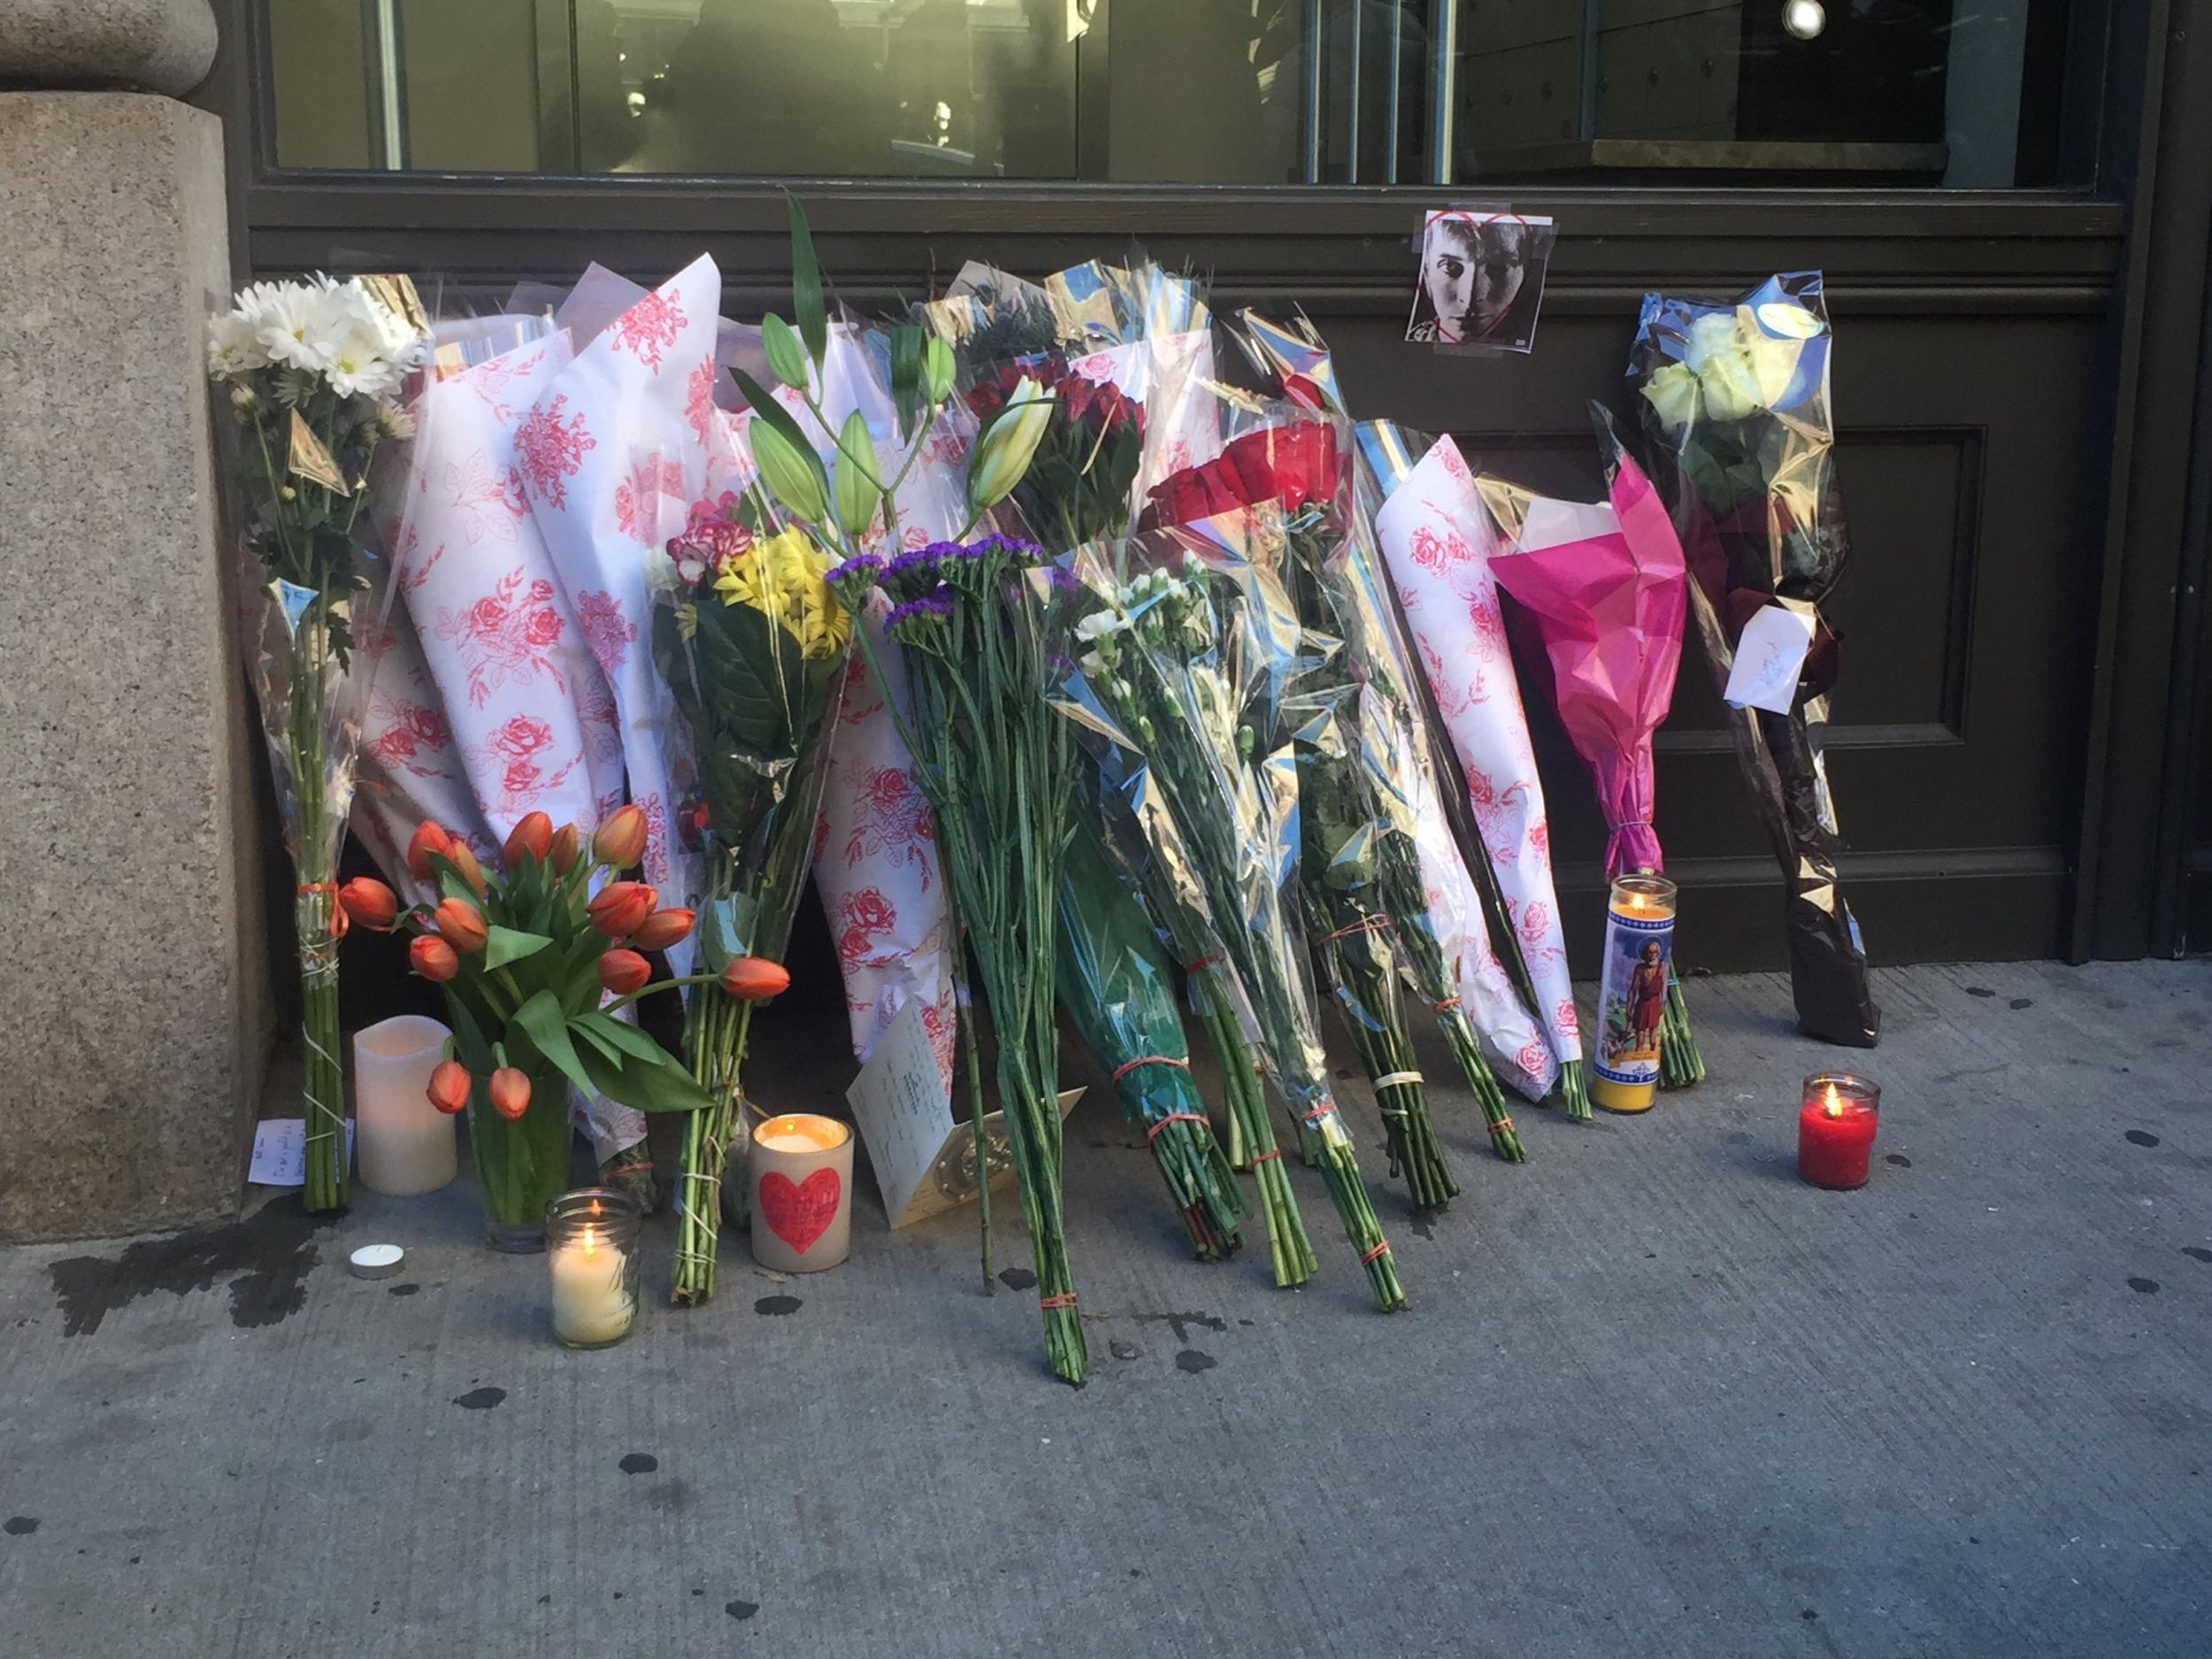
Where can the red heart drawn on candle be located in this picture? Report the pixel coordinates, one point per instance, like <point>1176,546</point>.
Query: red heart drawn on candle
<point>799,1212</point>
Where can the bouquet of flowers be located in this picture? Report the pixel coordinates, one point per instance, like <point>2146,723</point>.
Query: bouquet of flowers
<point>1436,541</point>
<point>313,370</point>
<point>993,764</point>
<point>1117,987</point>
<point>1294,465</point>
<point>998,768</point>
<point>1605,586</point>
<point>1175,663</point>
<point>1734,405</point>
<point>753,644</point>
<point>529,955</point>
<point>1433,906</point>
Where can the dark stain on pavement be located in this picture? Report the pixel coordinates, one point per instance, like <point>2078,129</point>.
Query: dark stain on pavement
<point>2019,1003</point>
<point>1193,1361</point>
<point>403,1290</point>
<point>2140,1138</point>
<point>671,1497</point>
<point>480,1399</point>
<point>1980,990</point>
<point>1016,1278</point>
<point>20,1525</point>
<point>1120,1349</point>
<point>638,1463</point>
<point>2197,1252</point>
<point>741,1610</point>
<point>1897,1160</point>
<point>778,1305</point>
<point>266,1259</point>
<point>2143,1286</point>
<point>1179,1323</point>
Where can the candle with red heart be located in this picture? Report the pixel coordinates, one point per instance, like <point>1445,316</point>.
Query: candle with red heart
<point>801,1170</point>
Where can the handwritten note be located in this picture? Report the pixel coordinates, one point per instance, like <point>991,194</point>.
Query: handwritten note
<point>924,1156</point>
<point>1769,659</point>
<point>280,1152</point>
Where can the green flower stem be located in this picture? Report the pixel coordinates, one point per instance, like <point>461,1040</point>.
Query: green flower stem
<point>314,910</point>
<point>1459,1032</point>
<point>1573,1090</point>
<point>1363,970</point>
<point>1680,1064</point>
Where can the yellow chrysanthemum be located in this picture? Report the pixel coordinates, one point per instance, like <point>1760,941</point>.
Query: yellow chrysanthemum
<point>780,576</point>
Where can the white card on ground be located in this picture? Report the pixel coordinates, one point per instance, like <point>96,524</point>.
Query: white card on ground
<point>1769,657</point>
<point>280,1152</point>
<point>922,1154</point>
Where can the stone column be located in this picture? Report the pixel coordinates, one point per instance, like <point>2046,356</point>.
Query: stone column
<point>134,1021</point>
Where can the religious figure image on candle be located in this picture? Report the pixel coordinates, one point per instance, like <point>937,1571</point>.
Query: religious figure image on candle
<point>1482,279</point>
<point>1633,998</point>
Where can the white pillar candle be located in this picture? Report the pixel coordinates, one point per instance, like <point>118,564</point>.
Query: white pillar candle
<point>592,1304</point>
<point>404,1144</point>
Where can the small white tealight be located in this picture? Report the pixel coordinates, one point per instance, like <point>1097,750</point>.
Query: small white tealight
<point>377,1261</point>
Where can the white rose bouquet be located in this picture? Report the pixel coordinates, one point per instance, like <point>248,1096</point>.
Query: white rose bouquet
<point>1734,402</point>
<point>312,371</point>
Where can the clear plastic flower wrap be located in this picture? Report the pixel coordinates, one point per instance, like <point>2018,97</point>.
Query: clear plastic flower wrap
<point>1734,398</point>
<point>1117,987</point>
<point>1178,655</point>
<point>311,372</point>
<point>1440,914</point>
<point>753,647</point>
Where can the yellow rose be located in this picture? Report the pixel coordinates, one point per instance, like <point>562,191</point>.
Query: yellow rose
<point>1671,391</point>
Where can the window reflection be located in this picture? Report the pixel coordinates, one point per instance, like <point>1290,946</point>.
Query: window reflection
<point>1229,91</point>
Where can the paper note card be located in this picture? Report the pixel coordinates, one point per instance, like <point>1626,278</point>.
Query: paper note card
<point>1769,659</point>
<point>280,1152</point>
<point>924,1157</point>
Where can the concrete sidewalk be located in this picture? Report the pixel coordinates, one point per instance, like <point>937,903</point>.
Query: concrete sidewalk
<point>1654,1397</point>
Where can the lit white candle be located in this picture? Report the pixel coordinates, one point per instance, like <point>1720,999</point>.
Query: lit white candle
<point>800,1172</point>
<point>404,1145</point>
<point>591,1299</point>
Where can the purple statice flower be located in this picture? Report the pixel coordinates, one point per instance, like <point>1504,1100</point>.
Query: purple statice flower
<point>863,568</point>
<point>934,606</point>
<point>911,573</point>
<point>1012,549</point>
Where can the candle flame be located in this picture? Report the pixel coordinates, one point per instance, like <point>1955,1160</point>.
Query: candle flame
<point>589,1240</point>
<point>1635,901</point>
<point>1833,1104</point>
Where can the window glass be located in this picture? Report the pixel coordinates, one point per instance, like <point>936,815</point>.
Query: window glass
<point>1226,91</point>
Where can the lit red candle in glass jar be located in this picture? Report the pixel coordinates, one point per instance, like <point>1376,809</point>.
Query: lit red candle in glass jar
<point>1835,1129</point>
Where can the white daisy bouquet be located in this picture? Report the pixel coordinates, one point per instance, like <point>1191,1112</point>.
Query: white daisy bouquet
<point>313,371</point>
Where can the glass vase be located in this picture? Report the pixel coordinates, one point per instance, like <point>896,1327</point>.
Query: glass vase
<point>521,1166</point>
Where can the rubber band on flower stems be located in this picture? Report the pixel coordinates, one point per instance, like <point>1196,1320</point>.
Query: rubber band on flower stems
<point>1445,1006</point>
<point>1397,1078</point>
<point>1259,1158</point>
<point>1127,1066</point>
<point>1324,1110</point>
<point>1382,1247</point>
<point>1203,962</point>
<point>1065,1299</point>
<point>1373,924</point>
<point>1188,1117</point>
<point>1500,1125</point>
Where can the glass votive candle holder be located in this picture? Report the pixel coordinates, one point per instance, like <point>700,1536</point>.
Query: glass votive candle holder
<point>1835,1129</point>
<point>591,1252</point>
<point>800,1171</point>
<point>1632,992</point>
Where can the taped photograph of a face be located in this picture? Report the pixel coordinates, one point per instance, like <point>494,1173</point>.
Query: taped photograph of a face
<point>1481,280</point>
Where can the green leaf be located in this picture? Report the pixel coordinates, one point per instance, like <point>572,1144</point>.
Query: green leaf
<point>504,945</point>
<point>858,489</point>
<point>806,285</point>
<point>786,356</point>
<point>576,1028</point>
<point>618,1034</point>
<point>789,466</point>
<point>547,1027</point>
<point>451,883</point>
<point>659,1085</point>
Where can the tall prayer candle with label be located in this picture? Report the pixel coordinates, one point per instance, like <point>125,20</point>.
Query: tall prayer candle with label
<point>1835,1129</point>
<point>1632,992</point>
<point>591,1251</point>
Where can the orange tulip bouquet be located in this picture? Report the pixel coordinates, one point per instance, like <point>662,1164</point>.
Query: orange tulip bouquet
<point>536,967</point>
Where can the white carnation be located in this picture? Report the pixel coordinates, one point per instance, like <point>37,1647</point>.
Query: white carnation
<point>660,571</point>
<point>233,349</point>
